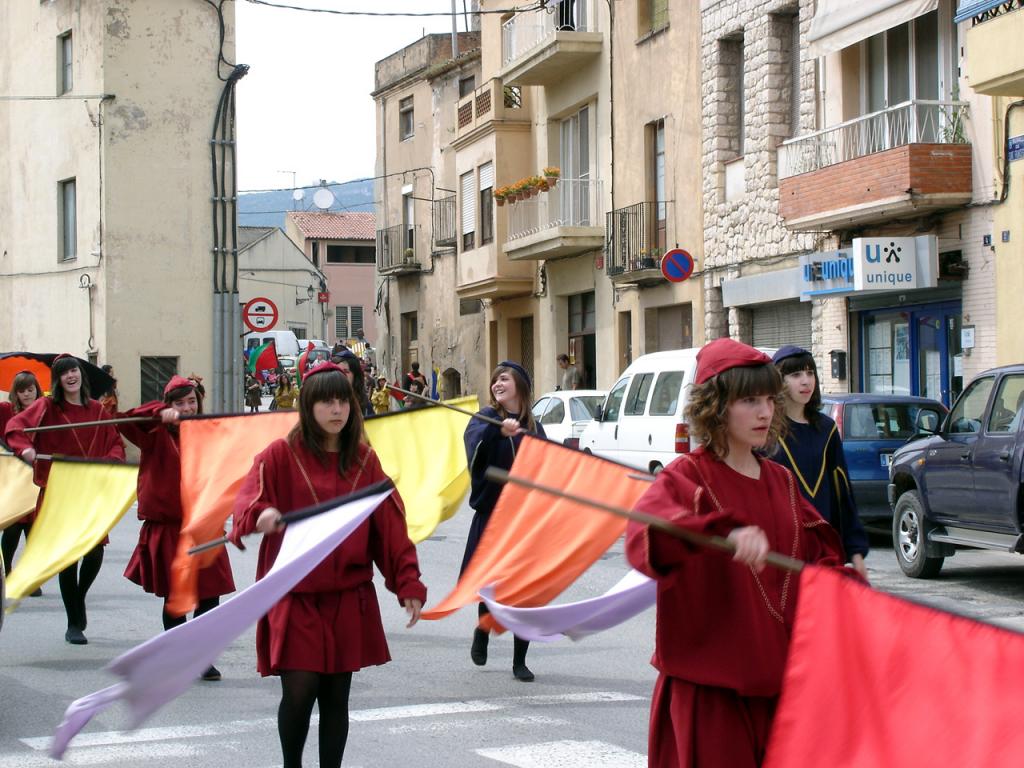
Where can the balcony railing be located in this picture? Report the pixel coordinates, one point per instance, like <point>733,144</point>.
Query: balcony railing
<point>980,11</point>
<point>637,237</point>
<point>912,122</point>
<point>526,31</point>
<point>397,248</point>
<point>572,203</point>
<point>444,222</point>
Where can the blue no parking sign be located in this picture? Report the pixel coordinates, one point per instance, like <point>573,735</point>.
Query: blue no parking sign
<point>677,265</point>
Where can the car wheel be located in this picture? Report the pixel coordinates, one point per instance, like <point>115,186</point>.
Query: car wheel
<point>588,452</point>
<point>909,538</point>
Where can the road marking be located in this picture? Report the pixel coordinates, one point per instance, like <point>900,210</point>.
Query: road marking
<point>122,753</point>
<point>566,754</point>
<point>111,738</point>
<point>447,726</point>
<point>423,710</point>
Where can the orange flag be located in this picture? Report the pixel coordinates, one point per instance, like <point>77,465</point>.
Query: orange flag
<point>535,545</point>
<point>216,455</point>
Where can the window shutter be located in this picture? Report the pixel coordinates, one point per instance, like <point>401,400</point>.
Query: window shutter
<point>468,204</point>
<point>486,176</point>
<point>341,322</point>
<point>357,320</point>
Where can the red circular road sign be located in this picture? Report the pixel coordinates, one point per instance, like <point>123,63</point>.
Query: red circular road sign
<point>677,265</point>
<point>260,314</point>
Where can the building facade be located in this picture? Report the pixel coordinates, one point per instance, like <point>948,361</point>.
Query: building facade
<point>848,183</point>
<point>105,213</point>
<point>339,246</point>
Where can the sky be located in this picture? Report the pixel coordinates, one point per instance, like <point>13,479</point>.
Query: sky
<point>305,105</point>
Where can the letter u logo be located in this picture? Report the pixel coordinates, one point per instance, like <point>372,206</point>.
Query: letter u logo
<point>877,257</point>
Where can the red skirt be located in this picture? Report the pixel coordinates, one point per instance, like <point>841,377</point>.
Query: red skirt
<point>150,563</point>
<point>698,726</point>
<point>325,632</point>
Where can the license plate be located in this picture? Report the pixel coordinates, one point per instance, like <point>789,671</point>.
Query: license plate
<point>885,459</point>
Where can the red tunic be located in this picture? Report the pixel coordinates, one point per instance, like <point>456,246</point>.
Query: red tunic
<point>330,622</point>
<point>722,629</point>
<point>6,412</point>
<point>99,442</point>
<point>160,511</point>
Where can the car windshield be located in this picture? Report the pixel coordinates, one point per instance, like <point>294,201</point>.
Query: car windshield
<point>286,362</point>
<point>584,408</point>
<point>887,421</point>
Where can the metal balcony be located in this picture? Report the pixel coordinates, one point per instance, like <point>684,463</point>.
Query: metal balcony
<point>564,221</point>
<point>490,105</point>
<point>637,238</point>
<point>542,46</point>
<point>397,250</point>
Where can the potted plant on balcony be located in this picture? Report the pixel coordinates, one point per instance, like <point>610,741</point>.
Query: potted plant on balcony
<point>499,195</point>
<point>551,175</point>
<point>649,259</point>
<point>409,255</point>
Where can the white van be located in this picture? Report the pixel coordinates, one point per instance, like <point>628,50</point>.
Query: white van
<point>641,422</point>
<point>284,341</point>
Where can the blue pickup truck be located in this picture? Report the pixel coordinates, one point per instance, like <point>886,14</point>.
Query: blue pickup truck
<point>961,486</point>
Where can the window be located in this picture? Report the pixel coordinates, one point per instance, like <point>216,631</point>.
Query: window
<point>787,30</point>
<point>408,222</point>
<point>656,183</point>
<point>486,203</point>
<point>886,421</point>
<point>350,254</point>
<point>730,62</point>
<point>652,16</point>
<point>155,372</point>
<point>298,330</point>
<point>637,399</point>
<point>315,250</point>
<point>65,64</point>
<point>347,320</point>
<point>665,399</point>
<point>614,402</point>
<point>583,312</point>
<point>467,85</point>
<point>968,412</point>
<point>406,121</point>
<point>574,190</point>
<point>468,211</point>
<point>540,406</point>
<point>1008,410</point>
<point>584,408</point>
<point>68,221</point>
<point>555,413</point>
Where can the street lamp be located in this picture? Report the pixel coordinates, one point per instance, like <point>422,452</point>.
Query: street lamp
<point>310,293</point>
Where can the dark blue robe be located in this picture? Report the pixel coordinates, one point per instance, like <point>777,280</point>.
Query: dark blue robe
<point>815,455</point>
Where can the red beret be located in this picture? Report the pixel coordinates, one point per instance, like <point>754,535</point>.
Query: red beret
<point>321,367</point>
<point>177,382</point>
<point>723,354</point>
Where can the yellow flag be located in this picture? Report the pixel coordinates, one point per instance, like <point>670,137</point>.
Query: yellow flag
<point>421,449</point>
<point>17,491</point>
<point>83,501</point>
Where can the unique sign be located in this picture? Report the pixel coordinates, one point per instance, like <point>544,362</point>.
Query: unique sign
<point>677,265</point>
<point>824,273</point>
<point>871,265</point>
<point>884,263</point>
<point>260,314</point>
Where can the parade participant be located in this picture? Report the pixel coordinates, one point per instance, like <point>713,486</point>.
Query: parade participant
<point>352,367</point>
<point>381,397</point>
<point>68,403</point>
<point>812,449</point>
<point>108,399</point>
<point>25,390</point>
<point>160,503</point>
<point>284,397</point>
<point>723,627</point>
<point>490,446</point>
<point>329,625</point>
<point>252,394</point>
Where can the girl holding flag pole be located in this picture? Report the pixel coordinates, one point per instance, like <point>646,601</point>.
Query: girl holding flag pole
<point>329,625</point>
<point>723,627</point>
<point>25,390</point>
<point>160,503</point>
<point>68,403</point>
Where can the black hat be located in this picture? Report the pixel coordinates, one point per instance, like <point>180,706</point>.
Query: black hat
<point>790,350</point>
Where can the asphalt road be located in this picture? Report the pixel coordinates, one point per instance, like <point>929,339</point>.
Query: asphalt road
<point>429,707</point>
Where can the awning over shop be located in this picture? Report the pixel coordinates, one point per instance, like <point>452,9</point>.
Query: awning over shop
<point>839,24</point>
<point>970,8</point>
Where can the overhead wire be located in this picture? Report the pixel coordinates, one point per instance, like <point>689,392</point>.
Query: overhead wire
<point>408,14</point>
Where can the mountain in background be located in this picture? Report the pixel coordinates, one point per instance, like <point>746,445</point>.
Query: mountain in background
<point>268,209</point>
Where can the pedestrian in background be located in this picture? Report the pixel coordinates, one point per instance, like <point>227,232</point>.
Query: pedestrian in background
<point>159,506</point>
<point>724,623</point>
<point>812,449</point>
<point>414,375</point>
<point>488,445</point>
<point>352,366</point>
<point>25,390</point>
<point>284,397</point>
<point>252,394</point>
<point>329,625</point>
<point>381,397</point>
<point>68,403</point>
<point>571,378</point>
<point>108,399</point>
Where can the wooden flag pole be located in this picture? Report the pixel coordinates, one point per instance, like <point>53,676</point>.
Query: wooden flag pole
<point>100,423</point>
<point>449,406</point>
<point>700,539</point>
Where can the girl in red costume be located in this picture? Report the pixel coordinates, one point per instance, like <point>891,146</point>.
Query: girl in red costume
<point>25,390</point>
<point>160,503</point>
<point>68,403</point>
<point>329,625</point>
<point>723,627</point>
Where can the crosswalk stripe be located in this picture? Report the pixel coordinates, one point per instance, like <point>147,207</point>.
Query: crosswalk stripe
<point>123,753</point>
<point>565,754</point>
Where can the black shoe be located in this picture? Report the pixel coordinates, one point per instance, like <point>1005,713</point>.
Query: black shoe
<point>37,592</point>
<point>75,636</point>
<point>522,673</point>
<point>212,674</point>
<point>478,653</point>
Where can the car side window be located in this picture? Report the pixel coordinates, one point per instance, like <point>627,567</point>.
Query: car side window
<point>666,393</point>
<point>614,403</point>
<point>555,413</point>
<point>969,410</point>
<point>540,406</point>
<point>1008,406</point>
<point>637,398</point>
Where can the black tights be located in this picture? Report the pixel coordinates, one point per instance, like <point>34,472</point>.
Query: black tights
<point>299,689</point>
<point>75,582</point>
<point>9,542</point>
<point>519,646</point>
<point>170,622</point>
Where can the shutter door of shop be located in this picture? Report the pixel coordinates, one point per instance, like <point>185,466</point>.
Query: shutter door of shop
<point>787,322</point>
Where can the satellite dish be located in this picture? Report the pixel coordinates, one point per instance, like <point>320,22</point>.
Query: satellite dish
<point>298,194</point>
<point>323,199</point>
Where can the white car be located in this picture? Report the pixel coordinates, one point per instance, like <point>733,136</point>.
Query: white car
<point>564,414</point>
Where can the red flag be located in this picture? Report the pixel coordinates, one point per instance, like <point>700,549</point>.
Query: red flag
<point>300,369</point>
<point>873,679</point>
